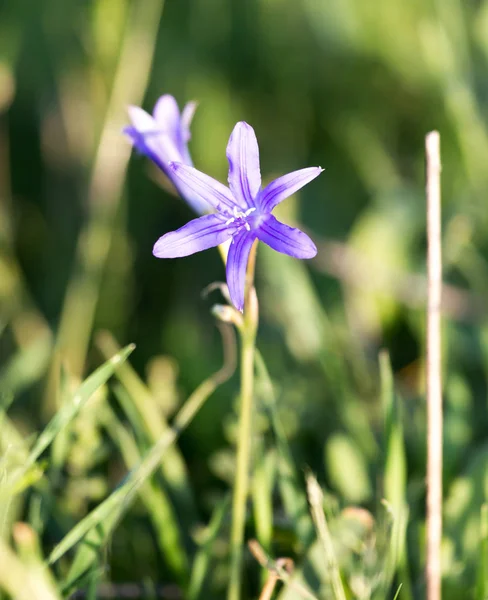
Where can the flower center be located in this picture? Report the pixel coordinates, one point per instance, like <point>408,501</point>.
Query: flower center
<point>240,218</point>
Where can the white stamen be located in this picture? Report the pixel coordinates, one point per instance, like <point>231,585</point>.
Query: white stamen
<point>238,214</point>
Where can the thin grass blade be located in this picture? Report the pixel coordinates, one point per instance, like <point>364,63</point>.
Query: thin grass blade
<point>70,410</point>
<point>316,499</point>
<point>143,412</point>
<point>482,579</point>
<point>291,488</point>
<point>155,499</point>
<point>395,481</point>
<point>98,525</point>
<point>201,563</point>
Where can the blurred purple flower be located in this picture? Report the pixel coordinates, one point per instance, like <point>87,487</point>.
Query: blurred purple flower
<point>243,212</point>
<point>163,137</point>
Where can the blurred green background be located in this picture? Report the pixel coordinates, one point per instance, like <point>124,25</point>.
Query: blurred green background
<point>350,85</point>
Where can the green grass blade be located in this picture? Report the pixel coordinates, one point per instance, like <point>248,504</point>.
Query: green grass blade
<point>83,581</point>
<point>27,365</point>
<point>398,592</point>
<point>262,495</point>
<point>71,409</point>
<point>201,563</point>
<point>290,485</point>
<point>62,442</point>
<point>395,482</point>
<point>13,476</point>
<point>482,579</point>
<point>394,453</point>
<point>129,82</point>
<point>144,413</point>
<point>155,499</point>
<point>24,580</point>
<point>97,526</point>
<point>352,484</point>
<point>95,520</point>
<point>316,500</point>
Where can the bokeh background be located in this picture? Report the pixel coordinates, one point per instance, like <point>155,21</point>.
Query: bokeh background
<point>350,85</point>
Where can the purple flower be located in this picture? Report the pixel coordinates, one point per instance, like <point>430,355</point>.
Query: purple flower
<point>243,212</point>
<point>163,137</point>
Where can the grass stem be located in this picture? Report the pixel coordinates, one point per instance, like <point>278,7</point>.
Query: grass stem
<point>434,384</point>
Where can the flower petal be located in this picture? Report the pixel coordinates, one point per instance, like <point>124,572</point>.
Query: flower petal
<point>141,120</point>
<point>285,239</point>
<point>167,114</point>
<point>158,139</point>
<point>207,188</point>
<point>202,233</point>
<point>137,139</point>
<point>243,157</point>
<point>150,139</point>
<point>285,186</point>
<point>187,118</point>
<point>140,143</point>
<point>237,265</point>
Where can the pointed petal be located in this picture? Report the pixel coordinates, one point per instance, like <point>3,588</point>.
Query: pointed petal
<point>187,118</point>
<point>237,265</point>
<point>243,157</point>
<point>150,139</point>
<point>141,120</point>
<point>208,189</point>
<point>167,114</point>
<point>153,150</point>
<point>160,140</point>
<point>285,186</point>
<point>197,235</point>
<point>137,139</point>
<point>285,239</point>
<point>160,150</point>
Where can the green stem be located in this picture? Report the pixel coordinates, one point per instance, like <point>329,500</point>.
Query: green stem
<point>241,487</point>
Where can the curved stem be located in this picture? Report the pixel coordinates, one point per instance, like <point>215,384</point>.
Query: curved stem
<point>241,486</point>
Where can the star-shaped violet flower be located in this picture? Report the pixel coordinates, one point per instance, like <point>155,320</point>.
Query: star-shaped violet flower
<point>163,137</point>
<point>243,212</point>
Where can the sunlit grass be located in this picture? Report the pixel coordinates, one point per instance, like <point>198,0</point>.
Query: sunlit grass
<point>115,467</point>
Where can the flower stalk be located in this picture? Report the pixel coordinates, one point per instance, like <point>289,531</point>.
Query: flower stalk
<point>241,486</point>
<point>241,215</point>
